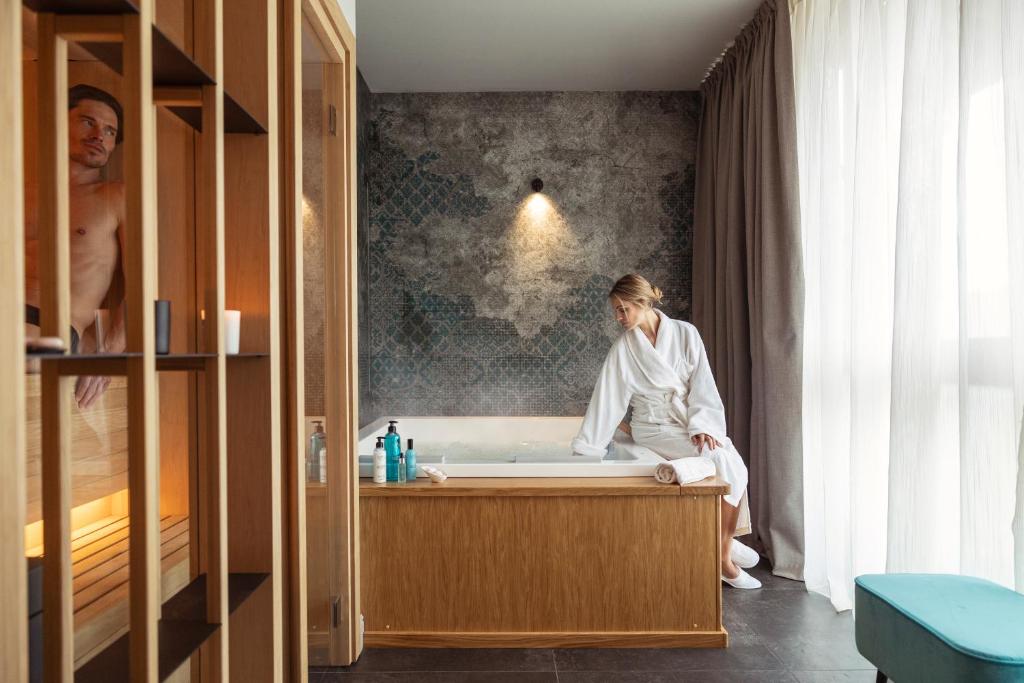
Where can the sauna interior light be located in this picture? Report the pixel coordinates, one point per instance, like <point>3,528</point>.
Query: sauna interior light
<point>537,184</point>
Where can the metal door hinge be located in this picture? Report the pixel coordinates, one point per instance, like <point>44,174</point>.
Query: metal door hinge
<point>332,119</point>
<point>336,612</point>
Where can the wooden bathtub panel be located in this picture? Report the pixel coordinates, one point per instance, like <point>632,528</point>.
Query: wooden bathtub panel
<point>623,639</point>
<point>600,567</point>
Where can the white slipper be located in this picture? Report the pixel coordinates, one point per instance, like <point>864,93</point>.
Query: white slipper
<point>742,580</point>
<point>743,556</point>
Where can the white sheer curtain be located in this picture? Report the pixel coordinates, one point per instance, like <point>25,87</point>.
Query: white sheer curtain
<point>910,117</point>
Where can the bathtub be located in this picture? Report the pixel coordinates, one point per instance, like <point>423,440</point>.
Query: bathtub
<point>507,447</point>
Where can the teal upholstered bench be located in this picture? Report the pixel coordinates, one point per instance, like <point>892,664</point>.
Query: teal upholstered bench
<point>939,627</point>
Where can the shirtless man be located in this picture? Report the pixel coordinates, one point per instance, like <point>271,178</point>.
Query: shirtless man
<point>97,212</point>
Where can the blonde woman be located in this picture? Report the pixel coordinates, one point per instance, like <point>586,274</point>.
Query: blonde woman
<point>659,367</point>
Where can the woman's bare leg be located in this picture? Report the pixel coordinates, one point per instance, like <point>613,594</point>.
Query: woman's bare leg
<point>730,516</point>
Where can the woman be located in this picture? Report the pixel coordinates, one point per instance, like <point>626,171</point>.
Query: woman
<point>659,367</point>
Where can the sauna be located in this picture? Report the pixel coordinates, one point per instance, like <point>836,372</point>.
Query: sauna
<point>155,528</point>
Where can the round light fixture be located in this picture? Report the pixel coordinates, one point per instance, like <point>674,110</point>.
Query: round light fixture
<point>537,184</point>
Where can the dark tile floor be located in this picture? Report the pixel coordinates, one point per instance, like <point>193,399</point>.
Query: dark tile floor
<point>778,633</point>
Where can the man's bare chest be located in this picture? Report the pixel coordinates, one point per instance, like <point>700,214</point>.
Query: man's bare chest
<point>92,222</point>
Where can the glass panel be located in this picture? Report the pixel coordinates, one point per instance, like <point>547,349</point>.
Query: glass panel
<point>318,429</point>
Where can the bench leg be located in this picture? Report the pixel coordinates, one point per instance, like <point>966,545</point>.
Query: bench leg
<point>881,678</point>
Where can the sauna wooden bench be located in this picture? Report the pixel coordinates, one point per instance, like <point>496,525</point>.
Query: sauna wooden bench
<point>541,562</point>
<point>99,554</point>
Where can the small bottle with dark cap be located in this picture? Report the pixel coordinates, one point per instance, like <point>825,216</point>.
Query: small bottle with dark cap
<point>410,463</point>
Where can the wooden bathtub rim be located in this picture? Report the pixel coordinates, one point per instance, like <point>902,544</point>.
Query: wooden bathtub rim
<point>542,486</point>
<point>498,639</point>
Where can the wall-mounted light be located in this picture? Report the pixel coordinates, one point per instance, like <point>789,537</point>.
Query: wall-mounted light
<point>537,184</point>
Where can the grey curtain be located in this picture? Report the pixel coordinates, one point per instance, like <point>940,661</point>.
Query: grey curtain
<point>748,274</point>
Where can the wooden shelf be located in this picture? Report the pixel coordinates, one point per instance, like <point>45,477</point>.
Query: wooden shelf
<point>172,67</point>
<point>183,361</point>
<point>73,364</point>
<point>82,6</point>
<point>183,629</point>
<point>236,118</point>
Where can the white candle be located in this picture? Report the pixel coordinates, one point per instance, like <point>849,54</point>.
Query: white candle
<point>232,327</point>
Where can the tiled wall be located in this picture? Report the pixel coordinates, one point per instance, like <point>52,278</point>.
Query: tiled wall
<point>366,410</point>
<point>481,300</point>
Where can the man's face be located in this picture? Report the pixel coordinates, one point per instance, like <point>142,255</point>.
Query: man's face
<point>92,129</point>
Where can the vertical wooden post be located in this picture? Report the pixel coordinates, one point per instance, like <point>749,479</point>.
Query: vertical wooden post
<point>293,347</point>
<point>352,328</point>
<point>252,265</point>
<point>55,319</point>
<point>140,264</point>
<point>336,345</point>
<point>274,331</point>
<point>210,228</point>
<point>340,163</point>
<point>13,599</point>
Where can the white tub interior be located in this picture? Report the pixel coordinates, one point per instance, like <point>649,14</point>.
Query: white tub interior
<point>507,447</point>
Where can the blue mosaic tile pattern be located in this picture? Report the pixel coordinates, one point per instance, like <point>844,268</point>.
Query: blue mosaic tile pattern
<point>451,167</point>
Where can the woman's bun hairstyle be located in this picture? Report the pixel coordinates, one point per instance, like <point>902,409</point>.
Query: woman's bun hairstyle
<point>636,289</point>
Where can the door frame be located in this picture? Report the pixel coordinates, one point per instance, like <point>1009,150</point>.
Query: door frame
<point>341,391</point>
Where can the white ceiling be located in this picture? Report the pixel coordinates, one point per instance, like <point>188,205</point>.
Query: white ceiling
<point>538,45</point>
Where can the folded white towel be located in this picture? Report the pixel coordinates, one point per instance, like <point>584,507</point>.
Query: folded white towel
<point>684,470</point>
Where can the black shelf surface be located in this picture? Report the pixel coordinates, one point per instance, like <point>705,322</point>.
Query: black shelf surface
<point>82,6</point>
<point>236,118</point>
<point>90,364</point>
<point>173,67</point>
<point>182,630</point>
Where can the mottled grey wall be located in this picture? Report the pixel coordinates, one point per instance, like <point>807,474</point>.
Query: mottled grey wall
<point>366,414</point>
<point>313,243</point>
<point>483,300</point>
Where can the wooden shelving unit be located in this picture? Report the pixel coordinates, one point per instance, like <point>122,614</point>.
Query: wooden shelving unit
<point>206,566</point>
<point>183,630</point>
<point>177,81</point>
<point>177,78</point>
<point>137,595</point>
<point>72,365</point>
<point>102,7</point>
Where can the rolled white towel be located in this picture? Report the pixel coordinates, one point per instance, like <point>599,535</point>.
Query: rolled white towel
<point>684,470</point>
<point>436,475</point>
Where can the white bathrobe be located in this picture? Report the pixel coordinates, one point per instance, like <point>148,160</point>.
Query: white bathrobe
<point>674,398</point>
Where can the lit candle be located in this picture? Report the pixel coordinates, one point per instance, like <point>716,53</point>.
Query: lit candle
<point>232,326</point>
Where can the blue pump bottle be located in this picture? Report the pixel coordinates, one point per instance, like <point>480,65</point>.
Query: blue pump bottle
<point>392,447</point>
